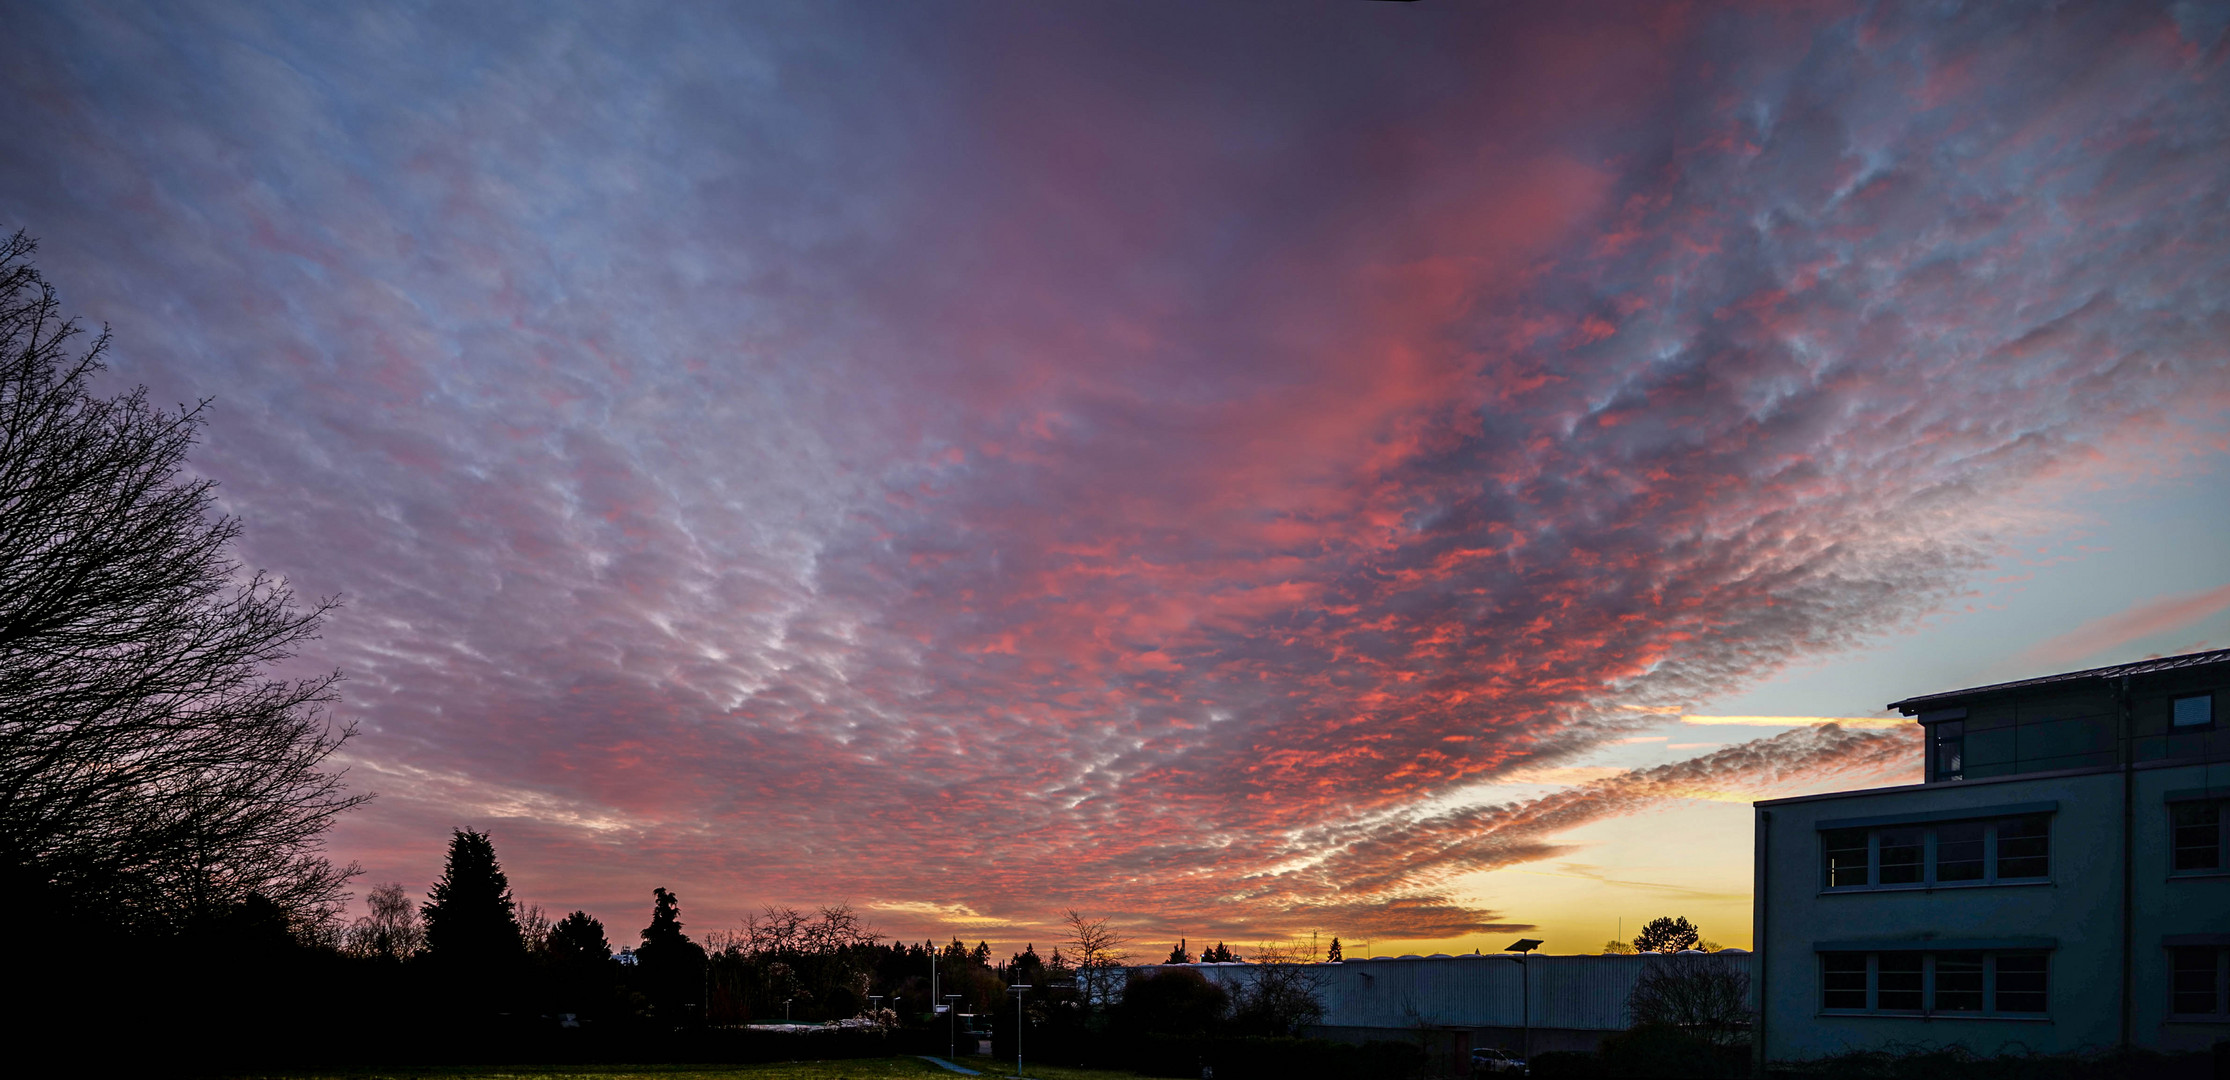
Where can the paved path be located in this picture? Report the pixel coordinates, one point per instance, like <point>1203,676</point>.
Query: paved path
<point>949,1065</point>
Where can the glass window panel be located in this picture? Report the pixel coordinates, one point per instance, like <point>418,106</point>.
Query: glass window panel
<point>2194,989</point>
<point>1897,981</point>
<point>1959,982</point>
<point>1846,856</point>
<point>2196,711</point>
<point>1843,980</point>
<point>1950,750</point>
<point>2020,983</point>
<point>1959,851</point>
<point>2198,835</point>
<point>1901,853</point>
<point>2025,847</point>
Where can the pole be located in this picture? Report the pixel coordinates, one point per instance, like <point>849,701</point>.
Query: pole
<point>1525,1006</point>
<point>952,1027</point>
<point>1017,990</point>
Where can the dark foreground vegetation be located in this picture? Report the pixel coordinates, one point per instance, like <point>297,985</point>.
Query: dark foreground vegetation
<point>1661,1051</point>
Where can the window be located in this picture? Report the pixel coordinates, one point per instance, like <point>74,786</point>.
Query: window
<point>2195,835</point>
<point>1843,981</point>
<point>1846,857</point>
<point>1966,982</point>
<point>1902,853</point>
<point>2020,983</point>
<point>1950,738</point>
<point>2197,983</point>
<point>1959,851</point>
<point>2196,711</point>
<point>1898,979</point>
<point>2025,847</point>
<point>1959,982</point>
<point>2006,849</point>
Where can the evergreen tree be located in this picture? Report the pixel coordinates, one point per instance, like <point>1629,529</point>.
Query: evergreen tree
<point>671,966</point>
<point>470,916</point>
<point>1333,955</point>
<point>665,922</point>
<point>1026,967</point>
<point>1179,955</point>
<point>579,939</point>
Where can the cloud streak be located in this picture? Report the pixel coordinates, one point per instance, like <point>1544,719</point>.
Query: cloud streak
<point>2157,616</point>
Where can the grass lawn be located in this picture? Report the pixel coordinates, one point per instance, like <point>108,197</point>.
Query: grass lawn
<point>891,1068</point>
<point>997,1067</point>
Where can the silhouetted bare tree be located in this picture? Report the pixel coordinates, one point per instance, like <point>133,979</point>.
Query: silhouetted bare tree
<point>151,774</point>
<point>1283,995</point>
<point>1705,996</point>
<point>390,929</point>
<point>1096,951</point>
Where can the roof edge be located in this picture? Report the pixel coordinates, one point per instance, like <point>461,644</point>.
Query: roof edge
<point>1912,705</point>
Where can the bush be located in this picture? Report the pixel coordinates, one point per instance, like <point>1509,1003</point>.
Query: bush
<point>1667,1051</point>
<point>1915,1062</point>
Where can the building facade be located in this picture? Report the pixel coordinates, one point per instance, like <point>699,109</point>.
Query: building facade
<point>1451,1004</point>
<point>2059,882</point>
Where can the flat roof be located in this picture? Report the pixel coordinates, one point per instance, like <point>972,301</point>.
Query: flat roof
<point>1912,705</point>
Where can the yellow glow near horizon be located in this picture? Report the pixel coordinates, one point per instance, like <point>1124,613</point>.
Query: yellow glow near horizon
<point>1795,721</point>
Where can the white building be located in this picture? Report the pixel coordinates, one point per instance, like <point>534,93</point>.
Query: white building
<point>1454,1003</point>
<point>2059,882</point>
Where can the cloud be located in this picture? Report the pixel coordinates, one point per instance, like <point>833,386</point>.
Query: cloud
<point>1793,721</point>
<point>1035,458</point>
<point>2160,615</point>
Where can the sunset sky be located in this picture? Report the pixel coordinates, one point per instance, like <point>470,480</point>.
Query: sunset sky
<point>1237,469</point>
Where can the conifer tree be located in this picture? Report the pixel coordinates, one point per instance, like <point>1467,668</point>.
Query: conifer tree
<point>470,915</point>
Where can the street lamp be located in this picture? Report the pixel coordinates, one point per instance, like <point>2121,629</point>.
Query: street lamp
<point>1525,994</point>
<point>952,1027</point>
<point>786,1009</point>
<point>1017,990</point>
<point>875,1008</point>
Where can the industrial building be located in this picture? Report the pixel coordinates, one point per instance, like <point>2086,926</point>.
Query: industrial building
<point>2059,882</point>
<point>1526,1004</point>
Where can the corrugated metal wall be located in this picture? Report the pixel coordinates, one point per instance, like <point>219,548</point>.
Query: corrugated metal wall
<point>1579,992</point>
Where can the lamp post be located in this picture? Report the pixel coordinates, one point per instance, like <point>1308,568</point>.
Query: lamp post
<point>952,1027</point>
<point>1525,994</point>
<point>786,1009</point>
<point>875,1008</point>
<point>1017,990</point>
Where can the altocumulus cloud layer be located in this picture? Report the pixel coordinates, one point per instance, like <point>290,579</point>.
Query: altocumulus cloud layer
<point>1163,460</point>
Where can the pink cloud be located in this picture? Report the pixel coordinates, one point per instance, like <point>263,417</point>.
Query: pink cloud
<point>2108,632</point>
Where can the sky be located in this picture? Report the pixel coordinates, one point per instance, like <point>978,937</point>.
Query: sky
<point>1239,470</point>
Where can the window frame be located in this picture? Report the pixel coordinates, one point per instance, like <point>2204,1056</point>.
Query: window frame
<point>2177,728</point>
<point>2221,808</point>
<point>1930,862</point>
<point>2221,1011</point>
<point>1948,735</point>
<point>1930,966</point>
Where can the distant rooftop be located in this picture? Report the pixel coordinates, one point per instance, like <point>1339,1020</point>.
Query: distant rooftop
<point>2159,663</point>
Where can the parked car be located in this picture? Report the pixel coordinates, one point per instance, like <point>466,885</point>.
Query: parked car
<point>1487,1060</point>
